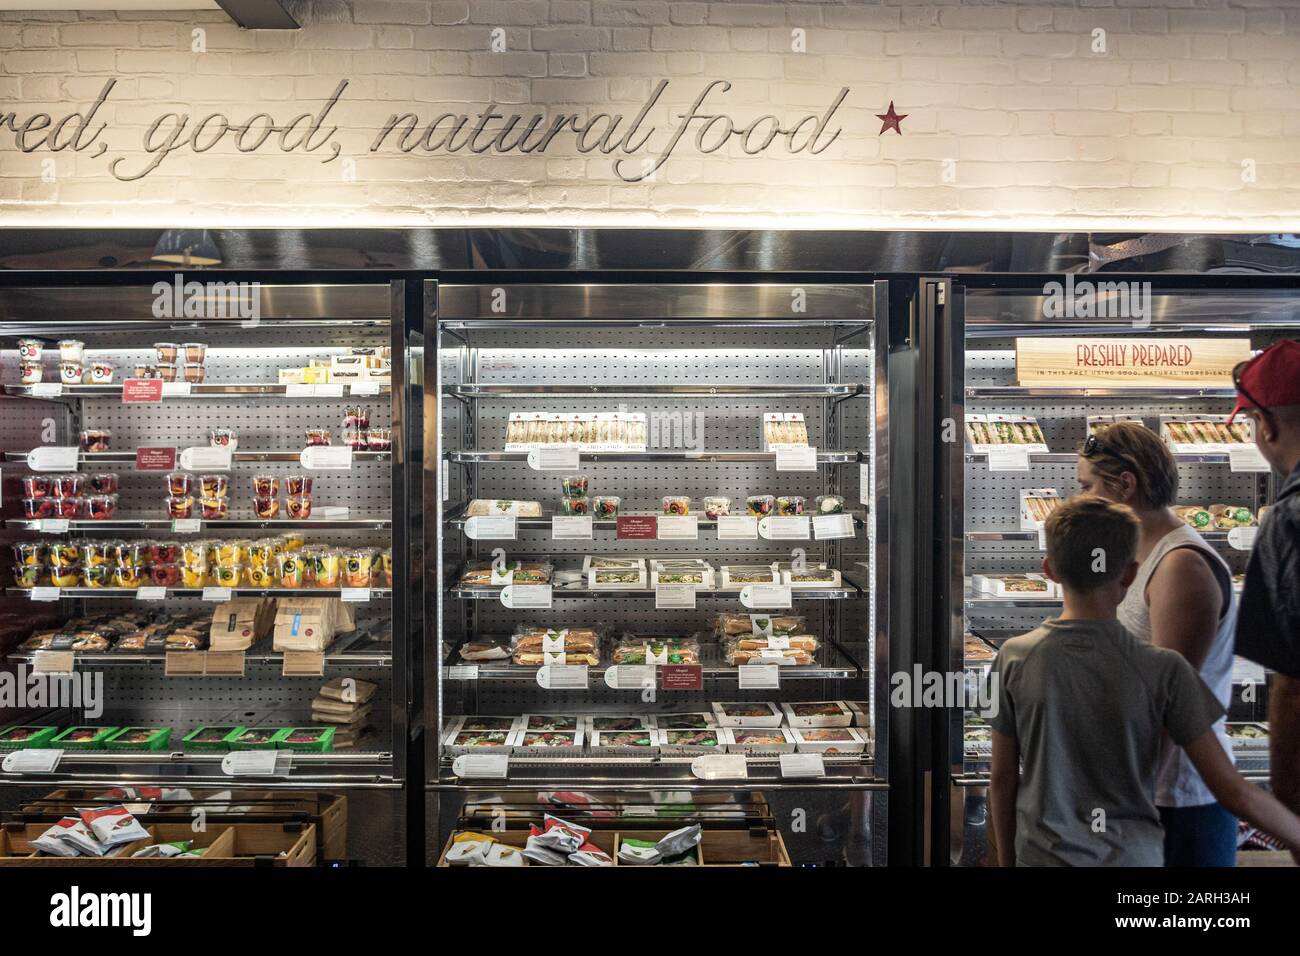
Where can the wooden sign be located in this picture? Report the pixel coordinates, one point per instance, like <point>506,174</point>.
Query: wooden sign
<point>1133,361</point>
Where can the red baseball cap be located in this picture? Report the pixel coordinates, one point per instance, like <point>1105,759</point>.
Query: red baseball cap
<point>1270,379</point>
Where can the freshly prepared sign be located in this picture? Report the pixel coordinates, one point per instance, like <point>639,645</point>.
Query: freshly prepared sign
<point>1129,361</point>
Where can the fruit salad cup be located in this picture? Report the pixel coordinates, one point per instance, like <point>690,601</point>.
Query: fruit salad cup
<point>290,570</point>
<point>29,576</point>
<point>36,508</point>
<point>101,507</point>
<point>266,486</point>
<point>213,486</point>
<point>358,568</point>
<point>36,486</point>
<point>71,507</point>
<point>259,577</point>
<point>318,436</point>
<point>179,484</point>
<point>298,484</point>
<point>223,438</point>
<point>379,439</point>
<point>180,506</point>
<point>328,564</point>
<point>103,483</point>
<point>228,575</point>
<point>266,508</point>
<point>124,577</point>
<point>71,485</point>
<point>165,575</point>
<point>65,577</point>
<point>95,439</point>
<point>214,509</point>
<point>64,554</point>
<point>33,553</point>
<point>97,576</point>
<point>164,552</point>
<point>298,507</point>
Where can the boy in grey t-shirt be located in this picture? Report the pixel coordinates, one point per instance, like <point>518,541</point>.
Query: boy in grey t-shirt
<point>1083,705</point>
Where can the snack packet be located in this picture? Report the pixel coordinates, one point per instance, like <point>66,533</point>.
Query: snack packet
<point>69,837</point>
<point>112,825</point>
<point>162,850</point>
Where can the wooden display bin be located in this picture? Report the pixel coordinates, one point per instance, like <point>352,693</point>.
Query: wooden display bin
<point>327,811</point>
<point>518,838</point>
<point>716,848</point>
<point>237,844</point>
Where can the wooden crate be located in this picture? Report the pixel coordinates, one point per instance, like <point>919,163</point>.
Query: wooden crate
<point>717,847</point>
<point>237,844</point>
<point>517,838</point>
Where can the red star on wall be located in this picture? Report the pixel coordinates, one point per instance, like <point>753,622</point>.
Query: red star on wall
<point>890,120</point>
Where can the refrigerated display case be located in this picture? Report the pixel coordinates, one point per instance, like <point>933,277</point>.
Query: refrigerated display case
<point>614,446</point>
<point>984,530</point>
<point>182,545</point>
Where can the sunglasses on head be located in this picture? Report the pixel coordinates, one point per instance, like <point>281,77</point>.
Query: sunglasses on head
<point>1093,446</point>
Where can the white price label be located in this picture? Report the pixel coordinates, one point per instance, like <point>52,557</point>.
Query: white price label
<point>553,459</point>
<point>491,528</point>
<point>1042,537</point>
<point>47,389</point>
<point>562,677</point>
<point>355,595</point>
<point>330,390</point>
<point>446,485</point>
<point>796,458</point>
<point>737,528</point>
<point>53,458</point>
<point>255,763</point>
<point>720,767</point>
<point>571,527</point>
<point>462,672</point>
<point>678,528</point>
<point>802,765</point>
<point>1246,458</point>
<point>759,676</point>
<point>526,595</point>
<point>673,596</point>
<point>32,761</point>
<point>775,643</point>
<point>630,676</point>
<point>326,458</point>
<point>784,529</point>
<point>150,593</point>
<point>54,525</point>
<point>761,596</point>
<point>1008,459</point>
<point>482,766</point>
<point>829,527</point>
<point>205,458</point>
<point>364,388</point>
<point>1242,539</point>
<point>176,389</point>
<point>53,662</point>
<point>187,525</point>
<point>299,390</point>
<point>864,483</point>
<point>44,594</point>
<point>220,595</point>
<point>553,643</point>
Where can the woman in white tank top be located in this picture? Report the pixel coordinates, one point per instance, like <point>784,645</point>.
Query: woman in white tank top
<point>1182,599</point>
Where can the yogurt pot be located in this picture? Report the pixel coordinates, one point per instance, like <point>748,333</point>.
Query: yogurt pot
<point>167,371</point>
<point>70,372</point>
<point>101,373</point>
<point>194,352</point>
<point>71,350</point>
<point>29,350</point>
<point>29,372</point>
<point>167,352</point>
<point>193,372</point>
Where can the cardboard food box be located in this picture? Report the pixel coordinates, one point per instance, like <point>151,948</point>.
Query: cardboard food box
<point>829,740</point>
<point>687,743</point>
<point>818,713</point>
<point>643,742</point>
<point>1036,505</point>
<point>241,622</point>
<point>758,740</point>
<point>306,624</point>
<point>747,714</point>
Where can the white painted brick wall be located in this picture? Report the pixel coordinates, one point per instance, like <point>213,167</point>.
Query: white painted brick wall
<point>1189,118</point>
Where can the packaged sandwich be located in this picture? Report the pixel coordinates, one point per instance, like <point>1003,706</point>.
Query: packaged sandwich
<point>737,656</point>
<point>556,640</point>
<point>690,571</point>
<point>739,575</point>
<point>730,624</point>
<point>478,574</point>
<point>1227,517</point>
<point>490,507</point>
<point>810,576</point>
<point>1036,505</point>
<point>634,649</point>
<point>485,649</point>
<point>1196,516</point>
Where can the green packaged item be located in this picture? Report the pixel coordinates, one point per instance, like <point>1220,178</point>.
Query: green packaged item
<point>317,739</point>
<point>24,737</point>
<point>83,738</point>
<point>258,738</point>
<point>210,738</point>
<point>140,738</point>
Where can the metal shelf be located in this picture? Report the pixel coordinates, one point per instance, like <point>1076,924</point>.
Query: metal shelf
<point>106,593</point>
<point>342,769</point>
<point>1065,458</point>
<point>196,390</point>
<point>458,520</point>
<point>823,457</point>
<point>1210,536</point>
<point>843,772</point>
<point>354,650</point>
<point>128,457</point>
<point>846,593</point>
<point>229,524</point>
<point>837,390</point>
<point>1155,394</point>
<point>833,663</point>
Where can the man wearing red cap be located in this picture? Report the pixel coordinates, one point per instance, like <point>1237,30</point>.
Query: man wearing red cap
<point>1268,625</point>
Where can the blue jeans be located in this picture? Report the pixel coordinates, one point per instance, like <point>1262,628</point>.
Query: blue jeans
<point>1199,836</point>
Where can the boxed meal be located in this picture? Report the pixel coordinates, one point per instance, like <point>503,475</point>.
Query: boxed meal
<point>595,723</point>
<point>478,574</point>
<point>735,576</point>
<point>697,720</point>
<point>614,573</point>
<point>82,738</point>
<point>587,431</point>
<point>258,738</point>
<point>550,722</point>
<point>1036,505</point>
<point>1248,736</point>
<point>535,743</point>
<point>861,712</point>
<point>539,646</point>
<point>505,508</point>
<point>685,743</point>
<point>692,571</point>
<point>306,624</point>
<point>797,649</point>
<point>988,432</point>
<point>758,741</point>
<point>139,738</point>
<point>239,623</point>
<point>26,737</point>
<point>210,738</point>
<point>482,724</point>
<point>1015,585</point>
<point>747,714</point>
<point>624,742</point>
<point>478,741</point>
<point>811,576</point>
<point>311,739</point>
<point>1204,434</point>
<point>1098,421</point>
<point>784,430</point>
<point>976,651</point>
<point>829,740</point>
<point>818,713</point>
<point>653,649</point>
<point>1217,517</point>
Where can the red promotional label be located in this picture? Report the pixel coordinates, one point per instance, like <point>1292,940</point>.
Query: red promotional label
<point>141,390</point>
<point>681,677</point>
<point>155,459</point>
<point>637,527</point>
